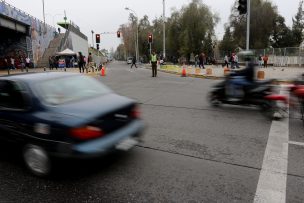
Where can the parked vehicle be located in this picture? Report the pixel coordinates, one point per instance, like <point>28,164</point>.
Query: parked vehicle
<point>129,60</point>
<point>64,115</point>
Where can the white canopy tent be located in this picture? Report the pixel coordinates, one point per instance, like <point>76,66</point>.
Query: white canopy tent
<point>66,52</point>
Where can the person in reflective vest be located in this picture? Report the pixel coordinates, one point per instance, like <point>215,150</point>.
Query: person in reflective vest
<point>154,64</point>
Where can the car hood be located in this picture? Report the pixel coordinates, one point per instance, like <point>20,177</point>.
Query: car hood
<point>94,107</point>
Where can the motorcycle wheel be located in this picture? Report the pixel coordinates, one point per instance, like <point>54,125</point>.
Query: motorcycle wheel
<point>213,99</point>
<point>268,109</point>
<point>302,111</point>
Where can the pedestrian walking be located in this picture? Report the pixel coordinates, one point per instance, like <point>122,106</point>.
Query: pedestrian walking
<point>72,61</point>
<point>133,62</point>
<point>81,62</point>
<point>260,59</point>
<point>154,64</point>
<point>51,63</point>
<point>90,62</point>
<point>265,59</point>
<point>22,61</point>
<point>12,60</point>
<point>27,62</point>
<point>202,60</point>
<point>6,63</point>
<point>226,60</point>
<point>236,61</point>
<point>232,60</point>
<point>196,60</point>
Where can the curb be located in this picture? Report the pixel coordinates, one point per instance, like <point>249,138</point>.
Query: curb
<point>278,81</point>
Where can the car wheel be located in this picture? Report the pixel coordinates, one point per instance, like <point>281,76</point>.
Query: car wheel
<point>37,160</point>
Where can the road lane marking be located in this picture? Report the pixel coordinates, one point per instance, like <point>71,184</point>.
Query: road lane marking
<point>273,176</point>
<point>296,143</point>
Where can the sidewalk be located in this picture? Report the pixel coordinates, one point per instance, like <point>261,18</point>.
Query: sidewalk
<point>217,71</point>
<point>37,70</point>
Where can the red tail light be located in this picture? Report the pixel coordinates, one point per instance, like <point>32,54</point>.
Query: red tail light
<point>86,133</point>
<point>135,113</point>
<point>299,92</point>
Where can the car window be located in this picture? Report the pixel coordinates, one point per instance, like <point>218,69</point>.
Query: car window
<point>11,95</point>
<point>69,89</point>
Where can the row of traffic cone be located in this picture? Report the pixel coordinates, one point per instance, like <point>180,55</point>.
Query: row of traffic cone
<point>197,71</point>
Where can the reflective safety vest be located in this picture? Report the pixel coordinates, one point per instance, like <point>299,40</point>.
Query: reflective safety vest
<point>153,58</point>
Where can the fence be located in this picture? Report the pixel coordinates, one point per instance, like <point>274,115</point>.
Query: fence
<point>288,56</point>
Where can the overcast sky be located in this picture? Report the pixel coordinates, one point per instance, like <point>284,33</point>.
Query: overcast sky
<point>107,15</point>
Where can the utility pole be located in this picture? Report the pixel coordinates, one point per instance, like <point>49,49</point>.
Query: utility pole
<point>248,25</point>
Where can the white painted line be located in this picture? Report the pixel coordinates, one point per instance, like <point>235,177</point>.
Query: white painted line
<point>273,176</point>
<point>296,143</point>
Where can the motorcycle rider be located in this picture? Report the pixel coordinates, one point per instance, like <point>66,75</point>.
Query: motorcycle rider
<point>242,79</point>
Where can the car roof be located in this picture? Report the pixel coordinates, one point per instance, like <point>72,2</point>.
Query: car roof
<point>35,77</point>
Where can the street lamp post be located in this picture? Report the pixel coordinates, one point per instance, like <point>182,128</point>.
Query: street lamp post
<point>164,30</point>
<point>92,38</point>
<point>136,43</point>
<point>43,16</point>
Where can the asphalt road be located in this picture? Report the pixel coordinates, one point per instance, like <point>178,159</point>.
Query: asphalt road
<point>191,152</point>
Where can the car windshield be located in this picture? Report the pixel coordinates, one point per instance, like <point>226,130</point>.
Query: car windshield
<point>70,89</point>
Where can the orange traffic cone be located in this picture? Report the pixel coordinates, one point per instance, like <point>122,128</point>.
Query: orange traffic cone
<point>184,72</point>
<point>226,71</point>
<point>103,71</point>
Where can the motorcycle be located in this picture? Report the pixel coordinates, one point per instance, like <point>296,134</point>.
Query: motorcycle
<point>260,94</point>
<point>297,91</point>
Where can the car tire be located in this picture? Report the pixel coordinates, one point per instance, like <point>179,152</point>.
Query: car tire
<point>37,160</point>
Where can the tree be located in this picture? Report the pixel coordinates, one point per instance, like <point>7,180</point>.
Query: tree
<point>298,26</point>
<point>120,52</point>
<point>197,28</point>
<point>227,44</point>
<point>282,35</point>
<point>173,27</point>
<point>263,16</point>
<point>190,30</point>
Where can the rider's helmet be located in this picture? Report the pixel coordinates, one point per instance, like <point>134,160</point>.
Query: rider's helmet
<point>246,55</point>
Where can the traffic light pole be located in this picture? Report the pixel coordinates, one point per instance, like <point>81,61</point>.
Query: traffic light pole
<point>164,30</point>
<point>150,48</point>
<point>248,25</point>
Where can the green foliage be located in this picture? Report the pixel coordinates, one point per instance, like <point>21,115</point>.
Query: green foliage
<point>298,26</point>
<point>282,35</point>
<point>189,30</point>
<point>263,16</point>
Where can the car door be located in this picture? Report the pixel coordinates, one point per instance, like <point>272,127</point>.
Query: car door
<point>13,111</point>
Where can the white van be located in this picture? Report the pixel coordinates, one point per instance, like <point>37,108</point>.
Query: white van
<point>129,60</point>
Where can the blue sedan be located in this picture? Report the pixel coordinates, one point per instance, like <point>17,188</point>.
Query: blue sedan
<point>65,115</point>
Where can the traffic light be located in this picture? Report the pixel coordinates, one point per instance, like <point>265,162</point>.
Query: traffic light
<point>97,38</point>
<point>97,46</point>
<point>242,8</point>
<point>118,34</point>
<point>150,38</point>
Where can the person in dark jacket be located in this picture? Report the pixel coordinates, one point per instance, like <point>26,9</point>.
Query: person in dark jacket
<point>133,62</point>
<point>81,62</point>
<point>244,78</point>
